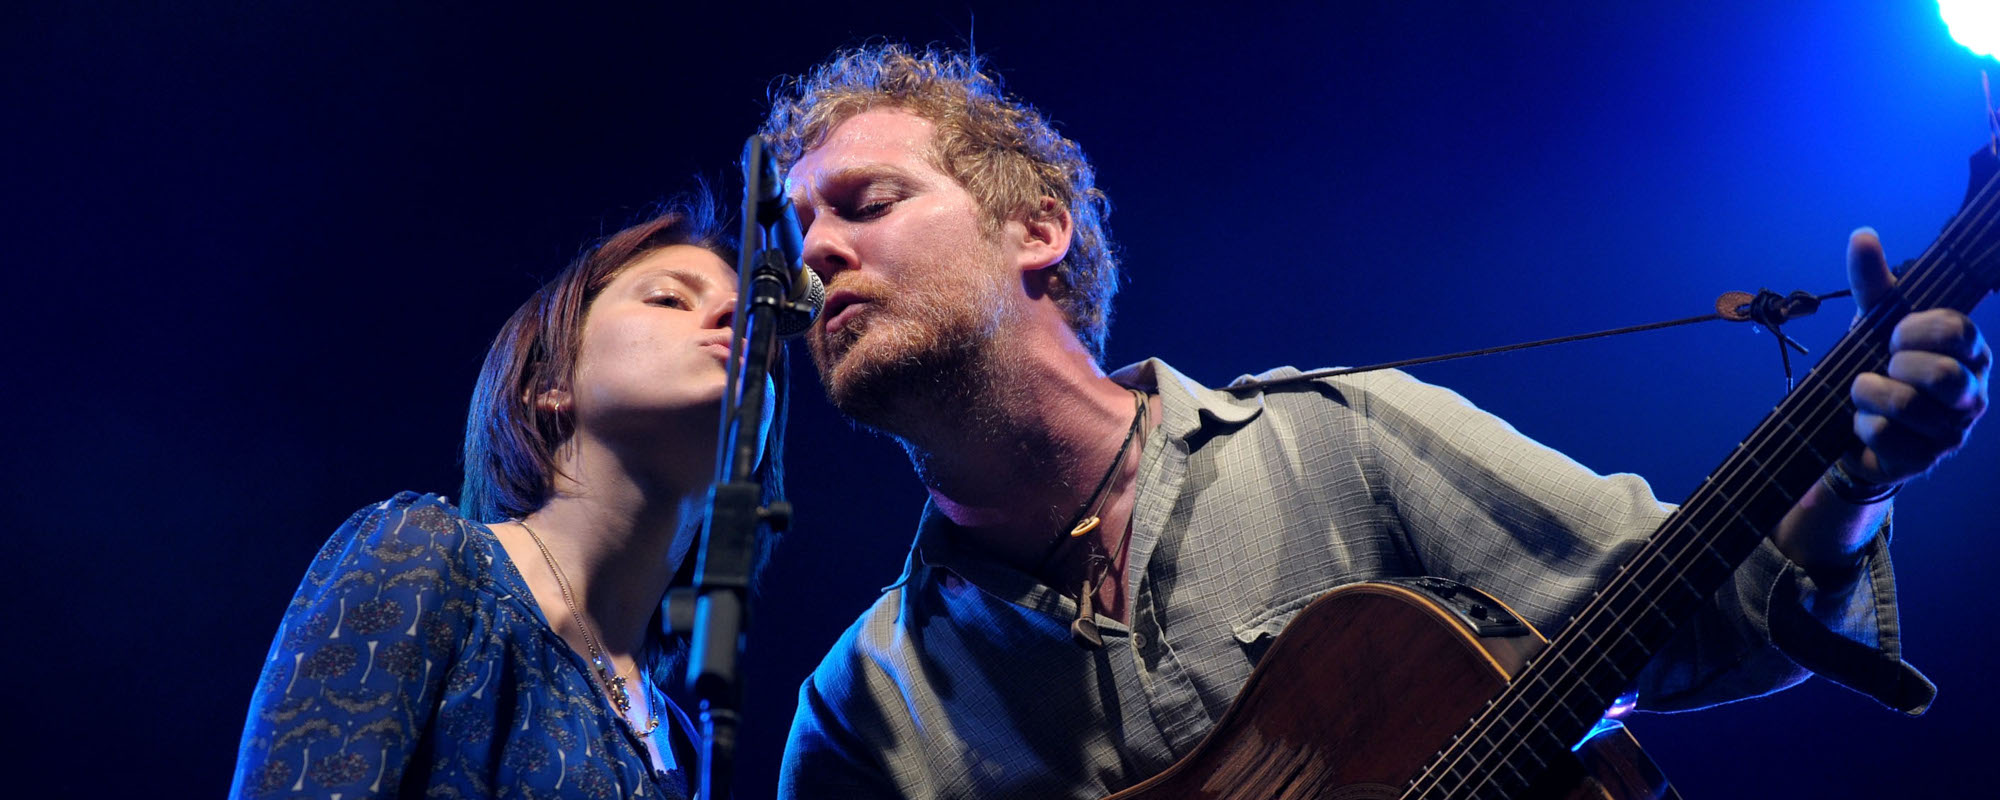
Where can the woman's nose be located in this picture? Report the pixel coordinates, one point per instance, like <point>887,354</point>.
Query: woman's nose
<point>720,313</point>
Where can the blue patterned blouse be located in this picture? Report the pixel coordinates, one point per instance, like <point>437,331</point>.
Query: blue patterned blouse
<point>414,662</point>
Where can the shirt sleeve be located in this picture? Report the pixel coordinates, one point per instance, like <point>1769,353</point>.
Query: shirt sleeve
<point>1489,507</point>
<point>360,658</point>
<point>823,759</point>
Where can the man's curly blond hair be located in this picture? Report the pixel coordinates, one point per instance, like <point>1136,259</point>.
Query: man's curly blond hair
<point>1000,149</point>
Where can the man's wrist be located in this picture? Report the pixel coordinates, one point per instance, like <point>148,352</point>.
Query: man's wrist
<point>1854,491</point>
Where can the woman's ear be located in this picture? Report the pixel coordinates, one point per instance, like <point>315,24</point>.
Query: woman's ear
<point>554,401</point>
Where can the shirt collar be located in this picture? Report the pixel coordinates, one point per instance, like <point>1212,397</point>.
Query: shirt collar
<point>1187,408</point>
<point>935,554</point>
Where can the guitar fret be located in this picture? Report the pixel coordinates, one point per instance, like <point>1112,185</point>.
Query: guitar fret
<point>1460,774</point>
<point>1717,559</point>
<point>1583,718</point>
<point>1756,464</point>
<point>1506,782</point>
<point>1580,719</point>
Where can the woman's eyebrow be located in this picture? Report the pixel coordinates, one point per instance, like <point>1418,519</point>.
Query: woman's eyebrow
<point>686,277</point>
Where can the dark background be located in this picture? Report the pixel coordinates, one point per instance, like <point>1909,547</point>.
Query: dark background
<point>254,252</point>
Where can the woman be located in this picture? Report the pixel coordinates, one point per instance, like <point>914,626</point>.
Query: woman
<point>518,642</point>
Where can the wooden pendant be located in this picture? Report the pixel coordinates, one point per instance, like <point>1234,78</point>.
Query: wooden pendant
<point>1084,630</point>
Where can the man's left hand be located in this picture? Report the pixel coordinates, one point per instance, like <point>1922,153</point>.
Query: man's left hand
<point>1922,410</point>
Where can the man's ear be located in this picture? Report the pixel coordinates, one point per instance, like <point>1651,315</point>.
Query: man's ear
<point>1044,238</point>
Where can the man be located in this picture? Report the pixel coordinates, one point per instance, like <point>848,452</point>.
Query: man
<point>1104,558</point>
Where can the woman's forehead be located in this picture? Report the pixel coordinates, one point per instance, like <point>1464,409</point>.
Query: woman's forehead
<point>692,266</point>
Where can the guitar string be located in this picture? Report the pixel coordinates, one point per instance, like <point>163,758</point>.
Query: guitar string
<point>1679,562</point>
<point>1948,285</point>
<point>1507,709</point>
<point>1951,284</point>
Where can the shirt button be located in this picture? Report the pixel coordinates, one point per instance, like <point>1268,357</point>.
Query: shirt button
<point>1138,640</point>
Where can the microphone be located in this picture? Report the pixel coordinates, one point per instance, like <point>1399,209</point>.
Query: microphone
<point>808,297</point>
<point>764,196</point>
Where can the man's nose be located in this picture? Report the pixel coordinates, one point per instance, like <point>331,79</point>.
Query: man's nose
<point>828,250</point>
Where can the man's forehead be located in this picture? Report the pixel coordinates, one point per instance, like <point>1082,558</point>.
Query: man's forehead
<point>894,128</point>
<point>869,144</point>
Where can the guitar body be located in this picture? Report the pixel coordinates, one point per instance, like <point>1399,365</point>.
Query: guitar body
<point>1365,687</point>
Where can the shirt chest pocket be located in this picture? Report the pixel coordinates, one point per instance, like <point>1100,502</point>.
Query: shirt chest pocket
<point>1256,631</point>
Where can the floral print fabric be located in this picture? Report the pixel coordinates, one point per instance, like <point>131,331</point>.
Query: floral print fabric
<point>414,662</point>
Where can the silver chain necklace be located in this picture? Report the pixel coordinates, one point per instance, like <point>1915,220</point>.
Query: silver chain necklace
<point>612,682</point>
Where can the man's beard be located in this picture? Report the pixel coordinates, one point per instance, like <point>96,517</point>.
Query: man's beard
<point>912,356</point>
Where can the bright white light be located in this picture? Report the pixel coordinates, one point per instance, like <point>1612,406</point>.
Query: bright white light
<point>1974,23</point>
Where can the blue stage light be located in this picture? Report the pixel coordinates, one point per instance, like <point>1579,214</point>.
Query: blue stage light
<point>1974,23</point>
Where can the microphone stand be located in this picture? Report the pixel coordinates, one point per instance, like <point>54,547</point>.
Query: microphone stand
<point>728,540</point>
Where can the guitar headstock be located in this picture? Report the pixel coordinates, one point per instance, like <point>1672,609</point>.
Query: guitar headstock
<point>1972,239</point>
<point>1985,163</point>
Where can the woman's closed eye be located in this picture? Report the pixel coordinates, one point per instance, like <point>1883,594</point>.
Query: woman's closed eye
<point>671,300</point>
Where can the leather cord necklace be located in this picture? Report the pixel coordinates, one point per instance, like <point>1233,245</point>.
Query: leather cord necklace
<point>1084,630</point>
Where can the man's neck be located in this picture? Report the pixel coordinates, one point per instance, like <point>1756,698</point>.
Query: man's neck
<point>1017,460</point>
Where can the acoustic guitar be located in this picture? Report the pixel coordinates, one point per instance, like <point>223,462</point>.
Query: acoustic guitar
<point>1426,689</point>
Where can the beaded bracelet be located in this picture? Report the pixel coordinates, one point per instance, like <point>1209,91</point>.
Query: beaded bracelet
<point>1845,486</point>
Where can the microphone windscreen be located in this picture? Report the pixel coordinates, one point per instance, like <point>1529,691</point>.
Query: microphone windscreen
<point>809,292</point>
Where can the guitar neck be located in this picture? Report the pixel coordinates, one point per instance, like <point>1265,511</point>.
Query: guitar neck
<point>1555,701</point>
